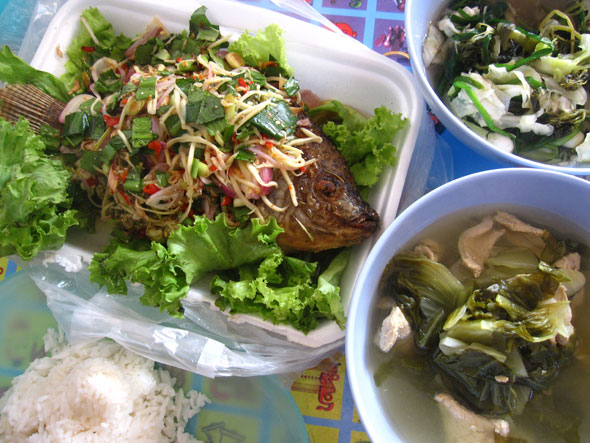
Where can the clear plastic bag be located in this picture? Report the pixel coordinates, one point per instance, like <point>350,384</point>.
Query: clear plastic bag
<point>23,24</point>
<point>204,342</point>
<point>207,341</point>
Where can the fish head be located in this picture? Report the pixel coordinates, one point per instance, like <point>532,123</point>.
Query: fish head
<point>330,213</point>
<point>339,206</point>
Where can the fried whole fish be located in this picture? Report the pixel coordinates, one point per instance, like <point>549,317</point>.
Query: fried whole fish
<point>330,212</point>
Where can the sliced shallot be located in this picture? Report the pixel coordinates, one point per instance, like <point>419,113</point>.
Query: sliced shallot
<point>73,105</point>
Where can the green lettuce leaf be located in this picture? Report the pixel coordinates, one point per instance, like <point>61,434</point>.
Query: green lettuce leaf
<point>110,45</point>
<point>140,261</point>
<point>261,278</point>
<point>214,246</point>
<point>191,252</point>
<point>366,144</point>
<point>35,209</point>
<point>284,289</point>
<point>265,46</point>
<point>13,70</point>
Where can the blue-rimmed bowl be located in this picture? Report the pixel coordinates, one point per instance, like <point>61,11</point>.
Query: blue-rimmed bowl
<point>418,16</point>
<point>554,200</point>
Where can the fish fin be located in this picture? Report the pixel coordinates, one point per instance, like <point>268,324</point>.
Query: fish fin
<point>30,102</point>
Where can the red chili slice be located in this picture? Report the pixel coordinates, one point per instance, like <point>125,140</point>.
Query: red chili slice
<point>243,84</point>
<point>123,176</point>
<point>155,146</point>
<point>150,188</point>
<point>125,196</point>
<point>110,121</point>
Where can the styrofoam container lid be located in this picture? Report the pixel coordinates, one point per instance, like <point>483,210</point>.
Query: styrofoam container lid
<point>331,65</point>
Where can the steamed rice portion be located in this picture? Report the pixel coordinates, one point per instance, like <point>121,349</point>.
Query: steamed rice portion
<point>98,392</point>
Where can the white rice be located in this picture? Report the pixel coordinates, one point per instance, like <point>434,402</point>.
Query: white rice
<point>97,392</point>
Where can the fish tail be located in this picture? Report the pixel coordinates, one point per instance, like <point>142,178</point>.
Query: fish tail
<point>31,103</point>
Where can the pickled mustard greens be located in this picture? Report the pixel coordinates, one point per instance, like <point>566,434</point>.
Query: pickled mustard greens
<point>491,315</point>
<point>518,81</point>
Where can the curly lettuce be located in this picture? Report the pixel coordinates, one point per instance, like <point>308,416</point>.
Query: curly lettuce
<point>266,46</point>
<point>209,245</point>
<point>13,70</point>
<point>365,143</point>
<point>35,209</point>
<point>282,289</point>
<point>285,290</point>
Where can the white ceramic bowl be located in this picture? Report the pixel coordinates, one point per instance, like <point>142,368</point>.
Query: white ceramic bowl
<point>550,198</point>
<point>419,14</point>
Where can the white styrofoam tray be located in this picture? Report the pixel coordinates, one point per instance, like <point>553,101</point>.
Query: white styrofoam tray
<point>332,66</point>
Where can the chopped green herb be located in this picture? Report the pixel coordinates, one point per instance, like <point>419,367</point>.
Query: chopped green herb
<point>276,120</point>
<point>291,87</point>
<point>51,137</point>
<point>162,178</point>
<point>133,183</point>
<point>129,87</point>
<point>143,53</point>
<point>245,155</point>
<point>142,132</point>
<point>108,154</point>
<point>146,89</point>
<point>108,83</point>
<point>174,126</point>
<point>76,123</point>
<point>203,107</point>
<point>90,161</point>
<point>90,106</point>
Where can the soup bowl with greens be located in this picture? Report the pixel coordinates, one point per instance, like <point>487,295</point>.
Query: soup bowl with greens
<point>468,321</point>
<point>509,78</point>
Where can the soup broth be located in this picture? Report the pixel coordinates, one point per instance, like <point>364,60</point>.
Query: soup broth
<point>408,384</point>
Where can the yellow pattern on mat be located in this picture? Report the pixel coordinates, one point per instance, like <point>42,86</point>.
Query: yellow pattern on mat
<point>318,392</point>
<point>321,434</point>
<point>359,437</point>
<point>355,416</point>
<point>3,267</point>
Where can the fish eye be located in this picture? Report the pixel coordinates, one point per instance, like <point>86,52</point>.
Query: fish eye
<point>325,186</point>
